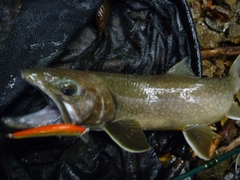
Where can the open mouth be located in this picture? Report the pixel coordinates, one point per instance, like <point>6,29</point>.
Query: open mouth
<point>54,113</point>
<point>45,122</point>
<point>53,120</point>
<point>48,115</point>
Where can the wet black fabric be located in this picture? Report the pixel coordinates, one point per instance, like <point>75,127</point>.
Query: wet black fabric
<point>70,158</point>
<point>41,33</point>
<point>143,37</point>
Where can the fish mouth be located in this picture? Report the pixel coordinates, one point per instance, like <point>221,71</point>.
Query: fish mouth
<point>48,115</point>
<point>54,113</point>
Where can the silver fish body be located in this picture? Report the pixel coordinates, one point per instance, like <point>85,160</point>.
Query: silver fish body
<point>123,104</point>
<point>170,102</point>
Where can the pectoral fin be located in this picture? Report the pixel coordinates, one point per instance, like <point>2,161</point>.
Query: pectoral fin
<point>202,140</point>
<point>127,134</point>
<point>234,112</point>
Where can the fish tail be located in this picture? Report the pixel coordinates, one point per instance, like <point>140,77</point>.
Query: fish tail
<point>234,73</point>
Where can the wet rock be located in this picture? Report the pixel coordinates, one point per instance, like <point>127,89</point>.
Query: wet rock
<point>207,38</point>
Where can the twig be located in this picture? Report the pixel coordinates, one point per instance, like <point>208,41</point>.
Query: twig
<point>102,16</point>
<point>227,128</point>
<point>232,145</point>
<point>233,50</point>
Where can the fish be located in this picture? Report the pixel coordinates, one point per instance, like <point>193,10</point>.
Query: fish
<point>126,105</point>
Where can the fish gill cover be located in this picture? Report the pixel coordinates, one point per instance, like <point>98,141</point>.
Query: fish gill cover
<point>142,37</point>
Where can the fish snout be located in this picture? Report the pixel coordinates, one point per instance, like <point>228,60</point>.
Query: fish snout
<point>30,75</point>
<point>36,76</point>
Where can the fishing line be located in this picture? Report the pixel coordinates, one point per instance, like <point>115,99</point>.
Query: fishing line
<point>236,165</point>
<point>208,164</point>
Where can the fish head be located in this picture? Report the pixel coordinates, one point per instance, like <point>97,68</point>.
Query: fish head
<point>80,96</point>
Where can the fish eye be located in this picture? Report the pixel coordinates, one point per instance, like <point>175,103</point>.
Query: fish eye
<point>68,88</point>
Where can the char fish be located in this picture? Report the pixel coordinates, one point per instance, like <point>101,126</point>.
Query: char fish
<point>125,105</point>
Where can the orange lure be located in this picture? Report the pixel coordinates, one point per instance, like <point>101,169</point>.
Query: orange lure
<point>50,130</point>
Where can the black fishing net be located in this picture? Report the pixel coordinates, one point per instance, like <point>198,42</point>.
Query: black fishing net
<point>143,37</point>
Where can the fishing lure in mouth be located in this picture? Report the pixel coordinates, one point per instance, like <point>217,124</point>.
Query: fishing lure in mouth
<point>51,130</point>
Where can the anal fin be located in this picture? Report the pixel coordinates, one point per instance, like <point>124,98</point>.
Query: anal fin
<point>127,134</point>
<point>234,112</point>
<point>202,140</point>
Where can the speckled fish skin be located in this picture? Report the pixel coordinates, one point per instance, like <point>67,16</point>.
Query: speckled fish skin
<point>123,105</point>
<point>170,102</point>
<point>162,102</point>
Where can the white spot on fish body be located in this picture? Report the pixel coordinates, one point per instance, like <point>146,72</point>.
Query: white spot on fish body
<point>185,93</point>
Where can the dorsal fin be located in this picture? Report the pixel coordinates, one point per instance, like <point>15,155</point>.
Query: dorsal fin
<point>182,68</point>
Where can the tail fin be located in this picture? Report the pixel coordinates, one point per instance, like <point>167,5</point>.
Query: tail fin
<point>234,73</point>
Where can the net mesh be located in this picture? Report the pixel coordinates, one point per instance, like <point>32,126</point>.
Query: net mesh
<point>142,37</point>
